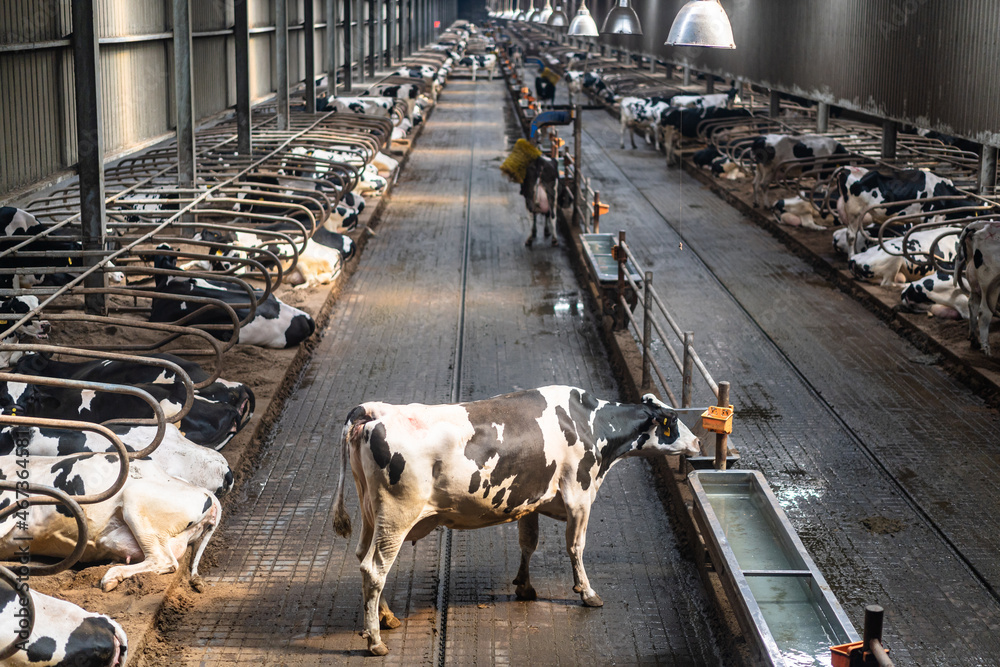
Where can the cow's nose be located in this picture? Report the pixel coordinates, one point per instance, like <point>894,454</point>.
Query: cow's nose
<point>45,326</point>
<point>227,483</point>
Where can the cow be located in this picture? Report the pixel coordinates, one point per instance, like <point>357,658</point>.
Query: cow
<point>12,310</point>
<point>483,463</point>
<point>887,264</point>
<point>798,212</point>
<point>369,106</point>
<point>62,251</point>
<point>574,84</point>
<point>219,410</point>
<point>718,163</point>
<point>408,92</point>
<point>938,295</point>
<point>643,115</point>
<point>716,100</point>
<point>545,91</point>
<point>135,525</point>
<point>487,62</point>
<point>63,633</point>
<point>176,455</point>
<point>275,324</point>
<point>862,191</point>
<point>539,191</point>
<point>979,262</point>
<point>768,151</point>
<point>676,123</point>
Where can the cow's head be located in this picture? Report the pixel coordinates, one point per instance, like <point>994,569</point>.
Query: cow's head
<point>13,310</point>
<point>667,434</point>
<point>761,152</point>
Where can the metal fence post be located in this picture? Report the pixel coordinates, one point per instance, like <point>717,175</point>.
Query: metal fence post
<point>775,104</point>
<point>889,128</point>
<point>647,328</point>
<point>620,256</point>
<point>241,38</point>
<point>596,216</point>
<point>688,376</point>
<point>577,163</point>
<point>988,170</point>
<point>822,117</point>
<point>721,439</point>
<point>184,94</point>
<point>687,75</point>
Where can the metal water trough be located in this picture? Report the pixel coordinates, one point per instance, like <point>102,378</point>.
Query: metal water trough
<point>784,605</point>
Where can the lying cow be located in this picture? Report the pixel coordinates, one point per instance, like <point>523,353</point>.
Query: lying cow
<point>938,295</point>
<point>11,310</point>
<point>63,633</point>
<point>275,324</point>
<point>408,92</point>
<point>16,222</point>
<point>886,264</point>
<point>640,115</point>
<point>979,262</point>
<point>769,151</point>
<point>219,410</point>
<point>135,525</point>
<point>176,455</point>
<point>799,212</point>
<point>471,465</point>
<point>862,192</point>
<point>368,106</point>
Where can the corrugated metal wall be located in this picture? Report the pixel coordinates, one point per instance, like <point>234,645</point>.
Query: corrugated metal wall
<point>37,124</point>
<point>931,63</point>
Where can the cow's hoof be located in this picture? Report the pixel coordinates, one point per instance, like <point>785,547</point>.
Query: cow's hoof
<point>390,622</point>
<point>198,584</point>
<point>379,649</point>
<point>529,242</point>
<point>108,585</point>
<point>593,601</point>
<point>525,592</point>
<point>555,242</point>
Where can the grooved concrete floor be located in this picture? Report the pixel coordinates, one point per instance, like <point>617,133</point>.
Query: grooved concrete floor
<point>848,421</point>
<point>287,590</point>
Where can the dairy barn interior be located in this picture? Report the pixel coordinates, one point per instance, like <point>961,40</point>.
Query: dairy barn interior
<point>325,320</point>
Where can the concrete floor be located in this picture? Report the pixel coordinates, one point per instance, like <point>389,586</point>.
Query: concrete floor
<point>286,590</point>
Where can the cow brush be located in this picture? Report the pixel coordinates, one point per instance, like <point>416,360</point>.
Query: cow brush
<point>516,164</point>
<point>550,76</point>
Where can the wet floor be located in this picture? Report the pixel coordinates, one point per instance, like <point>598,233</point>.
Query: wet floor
<point>888,468</point>
<point>286,590</point>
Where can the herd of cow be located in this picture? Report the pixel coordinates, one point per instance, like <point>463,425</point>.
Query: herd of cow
<point>908,228</point>
<point>285,222</point>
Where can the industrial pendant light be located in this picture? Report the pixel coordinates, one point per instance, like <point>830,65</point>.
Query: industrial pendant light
<point>515,11</point>
<point>543,16</point>
<point>530,16</point>
<point>558,18</point>
<point>622,20</point>
<point>583,24</point>
<point>702,23</point>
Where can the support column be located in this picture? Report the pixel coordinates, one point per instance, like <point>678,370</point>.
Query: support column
<point>359,37</point>
<point>373,30</point>
<point>348,43</point>
<point>241,36</point>
<point>184,94</point>
<point>775,104</point>
<point>309,43</point>
<point>391,33</point>
<point>822,117</point>
<point>332,43</point>
<point>889,129</point>
<point>709,83</point>
<point>406,13</point>
<point>687,75</point>
<point>90,146</point>
<point>988,170</point>
<point>281,61</point>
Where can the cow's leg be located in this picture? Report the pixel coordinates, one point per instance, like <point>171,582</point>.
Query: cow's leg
<point>385,544</point>
<point>624,126</point>
<point>527,538</point>
<point>975,298</point>
<point>550,225</point>
<point>985,315</point>
<point>576,539</point>
<point>534,232</point>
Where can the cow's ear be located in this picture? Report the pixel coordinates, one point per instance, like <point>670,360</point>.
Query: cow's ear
<point>648,399</point>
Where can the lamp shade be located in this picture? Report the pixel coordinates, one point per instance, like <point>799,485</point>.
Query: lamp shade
<point>622,20</point>
<point>558,18</point>
<point>543,16</point>
<point>583,24</point>
<point>702,23</point>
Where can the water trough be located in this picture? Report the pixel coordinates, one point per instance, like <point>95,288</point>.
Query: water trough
<point>784,605</point>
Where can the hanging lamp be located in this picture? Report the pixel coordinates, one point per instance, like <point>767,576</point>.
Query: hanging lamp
<point>583,24</point>
<point>530,16</point>
<point>622,20</point>
<point>544,14</point>
<point>701,23</point>
<point>558,18</point>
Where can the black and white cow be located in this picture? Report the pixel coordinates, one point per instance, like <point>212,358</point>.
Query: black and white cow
<point>19,223</point>
<point>683,122</point>
<point>369,106</point>
<point>938,295</point>
<point>135,525</point>
<point>639,114</point>
<point>717,162</point>
<point>862,191</point>
<point>63,633</point>
<point>799,212</point>
<point>545,91</point>
<point>275,324</point>
<point>886,264</point>
<point>769,151</point>
<point>979,262</point>
<point>539,191</point>
<point>475,62</point>
<point>176,455</point>
<point>219,411</point>
<point>409,92</point>
<point>471,465</point>
<point>715,100</point>
<point>12,310</point>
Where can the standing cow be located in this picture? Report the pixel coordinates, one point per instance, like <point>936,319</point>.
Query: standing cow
<point>769,151</point>
<point>979,261</point>
<point>471,465</point>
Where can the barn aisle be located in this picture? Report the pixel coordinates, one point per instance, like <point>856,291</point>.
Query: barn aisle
<point>285,590</point>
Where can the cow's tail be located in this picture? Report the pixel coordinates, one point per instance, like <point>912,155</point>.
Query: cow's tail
<point>341,519</point>
<point>958,266</point>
